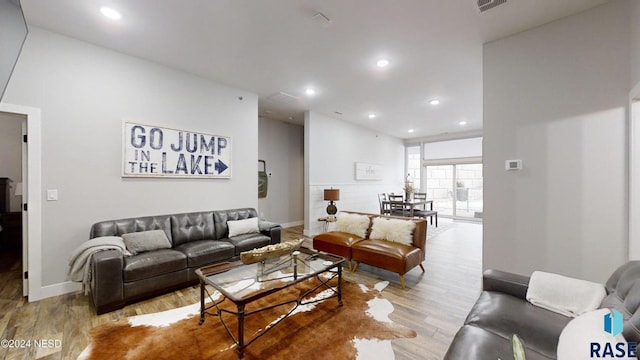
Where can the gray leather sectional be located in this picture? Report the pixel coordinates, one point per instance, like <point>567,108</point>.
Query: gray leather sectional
<point>502,310</point>
<point>198,239</point>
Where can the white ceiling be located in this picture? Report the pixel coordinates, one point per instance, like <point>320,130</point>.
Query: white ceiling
<point>271,46</point>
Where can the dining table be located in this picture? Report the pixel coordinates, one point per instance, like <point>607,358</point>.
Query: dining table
<point>407,205</point>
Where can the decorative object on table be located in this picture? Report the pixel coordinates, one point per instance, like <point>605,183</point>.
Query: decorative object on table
<point>270,251</point>
<point>408,190</point>
<point>154,151</point>
<point>180,336</point>
<point>263,180</point>
<point>331,195</point>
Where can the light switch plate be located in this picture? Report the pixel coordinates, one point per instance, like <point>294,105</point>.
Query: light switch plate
<point>52,195</point>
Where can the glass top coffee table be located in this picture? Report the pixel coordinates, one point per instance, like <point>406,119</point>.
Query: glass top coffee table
<point>242,284</point>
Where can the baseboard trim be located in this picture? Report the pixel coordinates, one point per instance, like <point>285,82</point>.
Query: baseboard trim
<point>55,290</point>
<point>292,224</point>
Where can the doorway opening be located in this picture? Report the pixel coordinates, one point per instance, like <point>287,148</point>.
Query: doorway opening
<point>13,248</point>
<point>456,190</point>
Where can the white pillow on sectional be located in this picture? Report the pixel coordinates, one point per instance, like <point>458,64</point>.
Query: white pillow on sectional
<point>396,230</point>
<point>576,338</point>
<point>244,226</point>
<point>355,224</point>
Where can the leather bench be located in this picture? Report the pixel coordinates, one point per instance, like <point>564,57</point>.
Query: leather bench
<point>382,253</point>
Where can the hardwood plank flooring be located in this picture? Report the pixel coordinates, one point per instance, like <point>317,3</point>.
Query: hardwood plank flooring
<point>434,303</point>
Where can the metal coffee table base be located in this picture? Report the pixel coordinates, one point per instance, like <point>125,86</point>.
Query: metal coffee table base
<point>240,341</point>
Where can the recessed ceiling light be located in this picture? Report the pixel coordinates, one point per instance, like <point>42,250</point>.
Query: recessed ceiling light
<point>462,123</point>
<point>372,116</point>
<point>310,91</point>
<point>110,13</point>
<point>410,130</point>
<point>382,63</point>
<point>434,102</point>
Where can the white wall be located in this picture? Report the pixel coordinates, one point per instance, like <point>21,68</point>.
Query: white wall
<point>555,97</point>
<point>634,134</point>
<point>281,145</point>
<point>332,147</point>
<point>11,154</point>
<point>84,93</point>
<point>635,43</point>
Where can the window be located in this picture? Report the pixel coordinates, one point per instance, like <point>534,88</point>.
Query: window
<point>413,165</point>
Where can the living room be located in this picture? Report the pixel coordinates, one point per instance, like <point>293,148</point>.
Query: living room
<point>556,96</point>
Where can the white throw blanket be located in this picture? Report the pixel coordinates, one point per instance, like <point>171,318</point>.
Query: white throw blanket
<point>564,295</point>
<point>80,259</point>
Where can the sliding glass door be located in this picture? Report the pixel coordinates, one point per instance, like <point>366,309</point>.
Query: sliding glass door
<point>456,189</point>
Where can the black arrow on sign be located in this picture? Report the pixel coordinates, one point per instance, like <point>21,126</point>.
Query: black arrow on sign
<point>220,167</point>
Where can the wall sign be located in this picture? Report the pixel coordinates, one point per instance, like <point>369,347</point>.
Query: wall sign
<point>366,171</point>
<point>154,151</point>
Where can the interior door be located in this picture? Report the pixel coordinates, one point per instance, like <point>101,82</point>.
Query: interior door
<point>25,197</point>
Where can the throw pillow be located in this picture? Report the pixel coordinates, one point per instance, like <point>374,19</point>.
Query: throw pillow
<point>576,338</point>
<point>396,230</point>
<point>355,224</point>
<point>142,241</point>
<point>244,226</point>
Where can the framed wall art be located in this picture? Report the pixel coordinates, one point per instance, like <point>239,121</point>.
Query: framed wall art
<point>154,151</point>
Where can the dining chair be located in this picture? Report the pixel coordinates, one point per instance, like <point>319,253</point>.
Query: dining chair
<point>420,196</point>
<point>385,208</point>
<point>397,206</point>
<point>424,213</point>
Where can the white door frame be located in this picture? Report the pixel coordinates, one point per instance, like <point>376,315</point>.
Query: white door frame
<point>634,174</point>
<point>32,188</point>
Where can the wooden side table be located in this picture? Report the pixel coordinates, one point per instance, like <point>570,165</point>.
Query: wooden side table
<point>326,221</point>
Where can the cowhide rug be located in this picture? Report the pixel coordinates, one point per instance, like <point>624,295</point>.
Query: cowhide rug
<point>361,329</point>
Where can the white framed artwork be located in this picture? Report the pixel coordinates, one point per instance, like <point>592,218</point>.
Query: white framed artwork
<point>367,171</point>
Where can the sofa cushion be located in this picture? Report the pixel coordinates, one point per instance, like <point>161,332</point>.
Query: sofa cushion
<point>505,315</point>
<point>205,252</point>
<point>249,242</point>
<point>387,255</point>
<point>335,242</point>
<point>192,226</point>
<point>479,344</point>
<point>396,230</point>
<point>142,241</point>
<point>355,224</point>
<point>152,263</point>
<point>244,226</point>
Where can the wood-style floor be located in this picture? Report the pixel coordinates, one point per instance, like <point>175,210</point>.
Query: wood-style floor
<point>434,303</point>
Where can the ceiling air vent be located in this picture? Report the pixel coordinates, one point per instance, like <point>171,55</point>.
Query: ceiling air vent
<point>484,5</point>
<point>282,97</point>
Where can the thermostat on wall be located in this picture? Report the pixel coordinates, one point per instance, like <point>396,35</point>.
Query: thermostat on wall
<point>513,165</point>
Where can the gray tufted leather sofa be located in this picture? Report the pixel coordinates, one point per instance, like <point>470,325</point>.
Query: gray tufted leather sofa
<point>502,310</point>
<point>198,239</point>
